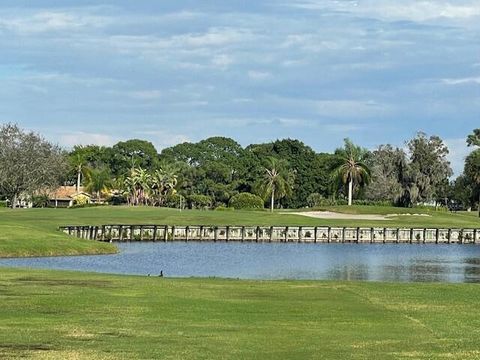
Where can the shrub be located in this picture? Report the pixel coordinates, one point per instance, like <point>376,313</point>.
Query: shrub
<point>223,208</point>
<point>89,205</point>
<point>3,204</point>
<point>175,201</point>
<point>246,201</point>
<point>40,201</point>
<point>200,201</point>
<point>117,199</point>
<point>317,200</point>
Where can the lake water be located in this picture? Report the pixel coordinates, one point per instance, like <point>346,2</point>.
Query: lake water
<point>395,262</point>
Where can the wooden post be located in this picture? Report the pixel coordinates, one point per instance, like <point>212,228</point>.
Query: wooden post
<point>372,235</point>
<point>173,233</point>
<point>424,236</point>
<point>187,231</point>
<point>300,237</point>
<point>315,234</point>
<point>201,232</point>
<point>449,235</point>
<point>384,235</point>
<point>437,235</point>
<point>120,233</point>
<point>329,234</point>
<point>257,234</point>
<point>243,233</point>
<point>411,235</point>
<point>165,234</point>
<point>141,232</point>
<point>357,234</point>
<point>227,235</point>
<point>286,234</point>
<point>474,236</point>
<point>154,237</point>
<point>271,234</point>
<point>398,235</point>
<point>343,235</point>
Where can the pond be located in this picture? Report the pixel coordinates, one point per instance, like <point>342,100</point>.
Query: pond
<point>395,262</point>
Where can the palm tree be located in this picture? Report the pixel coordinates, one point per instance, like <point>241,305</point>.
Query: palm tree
<point>353,170</point>
<point>277,181</point>
<point>164,182</point>
<point>98,180</point>
<point>78,162</point>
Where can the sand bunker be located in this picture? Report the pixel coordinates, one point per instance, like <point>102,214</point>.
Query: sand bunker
<point>340,216</point>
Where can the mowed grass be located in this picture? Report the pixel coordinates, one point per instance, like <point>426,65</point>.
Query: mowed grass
<point>65,315</point>
<point>33,232</point>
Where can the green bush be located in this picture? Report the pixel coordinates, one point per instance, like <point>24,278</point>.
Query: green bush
<point>199,201</point>
<point>90,205</point>
<point>317,200</point>
<point>373,202</point>
<point>223,208</point>
<point>246,201</point>
<point>3,204</point>
<point>40,201</point>
<point>175,201</point>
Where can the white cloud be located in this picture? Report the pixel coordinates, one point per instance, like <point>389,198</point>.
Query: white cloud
<point>462,81</point>
<point>162,139</point>
<point>46,21</point>
<point>146,94</point>
<point>412,10</point>
<point>259,75</point>
<point>458,152</point>
<point>222,61</point>
<point>84,138</point>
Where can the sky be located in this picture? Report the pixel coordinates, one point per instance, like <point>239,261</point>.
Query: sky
<point>376,71</point>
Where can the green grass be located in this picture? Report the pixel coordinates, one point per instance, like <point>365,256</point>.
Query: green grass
<point>33,232</point>
<point>66,315</point>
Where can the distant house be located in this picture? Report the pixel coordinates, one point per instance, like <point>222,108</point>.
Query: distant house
<point>66,196</point>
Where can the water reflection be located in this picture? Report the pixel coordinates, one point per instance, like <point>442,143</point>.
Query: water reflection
<point>389,262</point>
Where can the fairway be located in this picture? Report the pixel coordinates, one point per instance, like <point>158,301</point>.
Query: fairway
<point>85,316</point>
<point>34,232</point>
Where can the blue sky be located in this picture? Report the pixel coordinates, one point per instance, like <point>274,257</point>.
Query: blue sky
<point>173,71</point>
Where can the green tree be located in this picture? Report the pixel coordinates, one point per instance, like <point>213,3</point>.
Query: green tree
<point>277,181</point>
<point>387,165</point>
<point>474,138</point>
<point>86,156</point>
<point>472,173</point>
<point>28,163</point>
<point>353,170</point>
<point>133,154</point>
<point>97,181</point>
<point>428,170</point>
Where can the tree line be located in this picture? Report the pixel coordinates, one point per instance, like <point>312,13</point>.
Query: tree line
<point>214,172</point>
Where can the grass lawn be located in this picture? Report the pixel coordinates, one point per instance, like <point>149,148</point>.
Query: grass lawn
<point>33,232</point>
<point>65,315</point>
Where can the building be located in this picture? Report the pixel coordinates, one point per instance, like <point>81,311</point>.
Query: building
<point>66,196</point>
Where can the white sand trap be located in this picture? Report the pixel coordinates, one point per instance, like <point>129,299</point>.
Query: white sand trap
<point>339,216</point>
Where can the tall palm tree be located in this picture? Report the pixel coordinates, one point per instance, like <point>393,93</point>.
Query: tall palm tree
<point>353,170</point>
<point>277,181</point>
<point>98,180</point>
<point>79,163</point>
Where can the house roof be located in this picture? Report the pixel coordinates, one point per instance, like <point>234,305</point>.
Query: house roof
<point>67,193</point>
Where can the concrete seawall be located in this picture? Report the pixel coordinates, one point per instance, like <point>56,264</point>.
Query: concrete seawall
<point>307,234</point>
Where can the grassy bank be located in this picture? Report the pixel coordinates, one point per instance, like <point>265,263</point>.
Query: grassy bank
<point>33,232</point>
<point>50,315</point>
